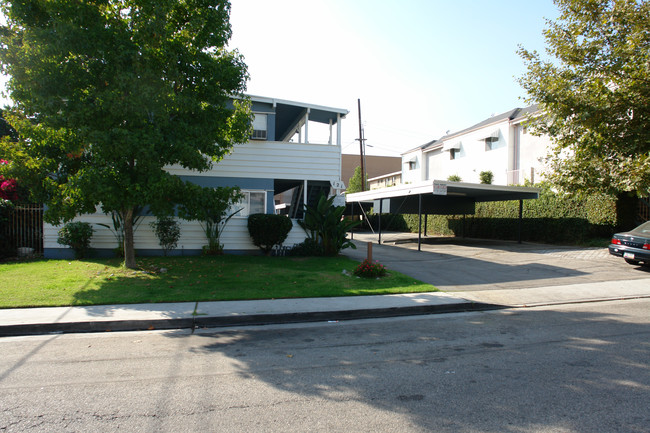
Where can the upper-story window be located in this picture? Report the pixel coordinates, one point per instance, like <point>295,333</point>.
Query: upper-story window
<point>260,123</point>
<point>491,140</point>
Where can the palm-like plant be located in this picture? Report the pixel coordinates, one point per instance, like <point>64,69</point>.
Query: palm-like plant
<point>325,225</point>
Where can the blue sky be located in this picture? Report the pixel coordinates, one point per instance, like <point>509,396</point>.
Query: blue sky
<point>420,68</point>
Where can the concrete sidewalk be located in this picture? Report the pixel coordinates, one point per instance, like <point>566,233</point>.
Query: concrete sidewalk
<point>191,315</point>
<point>29,321</point>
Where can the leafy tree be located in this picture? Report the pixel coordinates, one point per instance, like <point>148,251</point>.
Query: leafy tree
<point>593,93</point>
<point>108,93</point>
<point>354,185</point>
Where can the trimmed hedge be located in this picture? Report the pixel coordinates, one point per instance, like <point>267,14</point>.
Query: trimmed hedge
<point>268,230</point>
<point>551,218</point>
<point>389,222</point>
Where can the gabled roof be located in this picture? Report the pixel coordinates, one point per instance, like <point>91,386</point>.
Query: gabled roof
<point>514,114</point>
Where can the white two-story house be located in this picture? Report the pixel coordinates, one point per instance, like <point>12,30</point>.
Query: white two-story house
<point>281,164</point>
<point>501,144</point>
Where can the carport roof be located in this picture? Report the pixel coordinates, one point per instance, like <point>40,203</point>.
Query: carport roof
<point>471,191</point>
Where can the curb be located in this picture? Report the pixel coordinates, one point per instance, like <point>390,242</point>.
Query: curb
<point>240,320</point>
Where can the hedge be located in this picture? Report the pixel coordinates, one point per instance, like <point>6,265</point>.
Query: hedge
<point>550,218</point>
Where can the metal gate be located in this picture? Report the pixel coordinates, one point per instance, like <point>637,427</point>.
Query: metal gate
<point>24,230</point>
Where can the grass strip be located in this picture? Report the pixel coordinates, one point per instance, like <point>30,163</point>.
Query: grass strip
<point>45,283</point>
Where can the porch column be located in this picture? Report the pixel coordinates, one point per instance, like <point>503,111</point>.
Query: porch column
<point>330,139</point>
<point>304,194</point>
<point>338,129</point>
<point>307,126</point>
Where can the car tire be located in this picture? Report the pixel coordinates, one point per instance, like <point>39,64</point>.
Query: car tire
<point>633,262</point>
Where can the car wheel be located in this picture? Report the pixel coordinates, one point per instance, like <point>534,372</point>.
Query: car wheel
<point>633,262</point>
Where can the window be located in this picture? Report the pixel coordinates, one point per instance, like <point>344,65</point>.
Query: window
<point>253,202</point>
<point>259,126</point>
<point>453,153</point>
<point>411,165</point>
<point>490,143</point>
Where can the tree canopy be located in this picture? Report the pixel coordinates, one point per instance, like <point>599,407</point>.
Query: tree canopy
<point>107,93</point>
<point>593,89</point>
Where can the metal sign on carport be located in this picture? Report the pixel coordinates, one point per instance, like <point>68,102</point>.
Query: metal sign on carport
<point>438,197</point>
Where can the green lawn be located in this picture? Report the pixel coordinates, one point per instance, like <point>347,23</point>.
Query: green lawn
<point>104,281</point>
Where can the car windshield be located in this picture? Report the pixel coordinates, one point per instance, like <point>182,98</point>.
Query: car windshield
<point>643,228</point>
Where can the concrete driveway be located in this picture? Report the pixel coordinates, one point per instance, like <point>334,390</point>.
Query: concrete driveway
<point>471,265</point>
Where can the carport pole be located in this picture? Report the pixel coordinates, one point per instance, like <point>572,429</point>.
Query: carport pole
<point>419,221</point>
<point>521,214</point>
<point>381,202</point>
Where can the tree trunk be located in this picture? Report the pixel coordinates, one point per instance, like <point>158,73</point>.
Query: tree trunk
<point>626,205</point>
<point>129,250</point>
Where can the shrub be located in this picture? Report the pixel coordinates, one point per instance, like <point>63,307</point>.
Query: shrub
<point>76,235</point>
<point>268,230</point>
<point>454,178</point>
<point>392,222</point>
<point>553,217</point>
<point>324,224</point>
<point>308,248</point>
<point>486,177</point>
<point>213,227</point>
<point>168,232</point>
<point>368,269</point>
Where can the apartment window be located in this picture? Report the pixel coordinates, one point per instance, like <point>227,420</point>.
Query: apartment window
<point>260,123</point>
<point>253,202</point>
<point>491,140</point>
<point>490,143</point>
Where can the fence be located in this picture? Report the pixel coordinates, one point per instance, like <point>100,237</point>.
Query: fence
<point>643,210</point>
<point>23,231</point>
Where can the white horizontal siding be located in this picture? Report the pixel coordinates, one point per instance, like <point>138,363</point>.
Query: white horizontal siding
<point>234,237</point>
<point>276,160</point>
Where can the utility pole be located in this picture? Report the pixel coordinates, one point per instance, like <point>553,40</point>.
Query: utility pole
<point>361,150</point>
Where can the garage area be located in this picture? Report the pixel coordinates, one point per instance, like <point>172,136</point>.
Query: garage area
<point>456,264</point>
<point>435,198</point>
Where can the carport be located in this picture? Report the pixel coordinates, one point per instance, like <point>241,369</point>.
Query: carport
<point>436,197</point>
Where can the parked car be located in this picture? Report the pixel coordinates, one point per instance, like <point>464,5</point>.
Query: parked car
<point>633,246</point>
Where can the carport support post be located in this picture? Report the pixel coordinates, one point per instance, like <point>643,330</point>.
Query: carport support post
<point>352,218</point>
<point>419,222</point>
<point>381,202</point>
<point>425,224</point>
<point>521,215</point>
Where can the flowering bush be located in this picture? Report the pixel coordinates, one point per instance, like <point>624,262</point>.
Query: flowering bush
<point>8,187</point>
<point>368,269</point>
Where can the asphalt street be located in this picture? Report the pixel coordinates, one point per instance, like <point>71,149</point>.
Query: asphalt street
<point>564,368</point>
